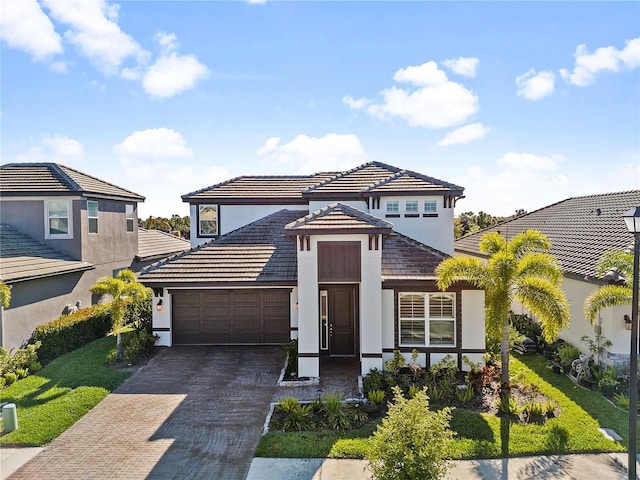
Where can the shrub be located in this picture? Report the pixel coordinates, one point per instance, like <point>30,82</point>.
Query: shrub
<point>374,380</point>
<point>68,332</point>
<point>622,400</point>
<point>568,353</point>
<point>413,390</point>
<point>21,362</point>
<point>291,347</point>
<point>376,396</point>
<point>338,415</point>
<point>140,314</point>
<point>138,345</point>
<point>394,365</point>
<point>550,408</point>
<point>508,405</point>
<point>533,409</point>
<point>22,372</point>
<point>296,415</point>
<point>10,378</point>
<point>435,393</point>
<point>465,395</point>
<point>412,441</point>
<point>525,325</point>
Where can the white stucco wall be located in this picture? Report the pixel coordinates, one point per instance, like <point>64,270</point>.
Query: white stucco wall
<point>370,306</point>
<point>473,331</point>
<point>388,321</point>
<point>293,313</point>
<point>308,314</point>
<point>436,232</point>
<point>162,319</point>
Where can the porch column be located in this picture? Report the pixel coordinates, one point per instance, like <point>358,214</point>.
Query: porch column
<point>308,314</point>
<point>371,309</point>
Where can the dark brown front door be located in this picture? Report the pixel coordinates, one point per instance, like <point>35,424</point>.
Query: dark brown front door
<point>342,320</point>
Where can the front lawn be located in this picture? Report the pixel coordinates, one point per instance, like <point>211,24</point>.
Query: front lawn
<point>481,435</point>
<point>51,400</point>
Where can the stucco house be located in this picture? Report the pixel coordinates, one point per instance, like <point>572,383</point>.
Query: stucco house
<point>581,230</point>
<point>60,231</point>
<point>343,261</point>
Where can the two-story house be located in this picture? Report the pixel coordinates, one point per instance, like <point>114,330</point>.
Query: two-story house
<point>344,262</point>
<point>60,231</point>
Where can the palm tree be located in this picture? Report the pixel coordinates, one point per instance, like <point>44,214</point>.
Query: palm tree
<point>520,269</point>
<point>5,294</point>
<point>124,289</point>
<point>611,295</point>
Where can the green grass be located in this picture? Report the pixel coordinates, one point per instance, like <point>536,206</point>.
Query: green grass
<point>486,436</point>
<point>57,396</point>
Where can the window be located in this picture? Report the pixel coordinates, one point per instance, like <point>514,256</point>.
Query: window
<point>129,217</point>
<point>58,218</point>
<point>92,215</point>
<point>393,206</point>
<point>419,311</point>
<point>411,206</point>
<point>430,206</point>
<point>207,220</point>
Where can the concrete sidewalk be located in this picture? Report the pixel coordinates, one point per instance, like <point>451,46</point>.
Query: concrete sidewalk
<point>604,466</point>
<point>12,458</point>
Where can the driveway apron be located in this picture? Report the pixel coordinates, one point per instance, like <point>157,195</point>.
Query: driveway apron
<point>191,412</point>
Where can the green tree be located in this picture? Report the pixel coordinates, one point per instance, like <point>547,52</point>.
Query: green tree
<point>611,295</point>
<point>5,294</point>
<point>520,269</point>
<point>124,289</point>
<point>412,442</point>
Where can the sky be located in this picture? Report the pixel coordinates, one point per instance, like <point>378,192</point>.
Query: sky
<point>522,103</point>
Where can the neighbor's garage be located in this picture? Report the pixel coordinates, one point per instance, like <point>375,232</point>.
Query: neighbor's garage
<point>242,316</point>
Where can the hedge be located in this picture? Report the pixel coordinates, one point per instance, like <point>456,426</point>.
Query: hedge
<point>68,332</point>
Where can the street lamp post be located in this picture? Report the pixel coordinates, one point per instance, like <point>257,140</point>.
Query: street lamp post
<point>632,219</point>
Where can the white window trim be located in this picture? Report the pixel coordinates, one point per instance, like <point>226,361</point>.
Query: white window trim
<point>128,206</point>
<point>413,202</point>
<point>435,202</point>
<point>396,203</point>
<point>61,236</point>
<point>97,217</point>
<point>427,319</point>
<point>217,232</point>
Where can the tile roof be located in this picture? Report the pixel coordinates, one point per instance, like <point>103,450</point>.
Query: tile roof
<point>407,181</point>
<point>21,179</point>
<point>258,252</point>
<point>580,229</point>
<point>154,244</point>
<point>258,187</point>
<point>338,218</point>
<point>404,258</point>
<point>24,258</point>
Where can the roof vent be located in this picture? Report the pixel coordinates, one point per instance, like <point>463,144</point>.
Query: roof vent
<point>598,211</point>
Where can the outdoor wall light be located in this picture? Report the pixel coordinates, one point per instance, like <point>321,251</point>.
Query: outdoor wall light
<point>159,305</point>
<point>627,322</point>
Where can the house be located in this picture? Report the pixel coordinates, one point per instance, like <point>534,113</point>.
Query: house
<point>581,230</point>
<point>342,261</point>
<point>60,231</point>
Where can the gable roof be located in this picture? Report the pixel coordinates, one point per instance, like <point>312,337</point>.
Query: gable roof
<point>24,258</point>
<point>580,230</point>
<point>154,244</point>
<point>50,179</point>
<point>368,180</point>
<point>253,254</point>
<point>338,218</point>
<point>379,178</point>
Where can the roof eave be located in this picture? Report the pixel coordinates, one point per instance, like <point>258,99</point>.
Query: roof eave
<point>11,281</point>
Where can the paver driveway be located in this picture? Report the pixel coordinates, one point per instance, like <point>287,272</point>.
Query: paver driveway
<point>192,412</point>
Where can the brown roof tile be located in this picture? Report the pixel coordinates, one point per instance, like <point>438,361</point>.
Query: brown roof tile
<point>154,244</point>
<point>338,218</point>
<point>404,258</point>
<point>580,229</point>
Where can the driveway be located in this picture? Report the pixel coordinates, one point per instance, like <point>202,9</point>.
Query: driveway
<point>191,412</point>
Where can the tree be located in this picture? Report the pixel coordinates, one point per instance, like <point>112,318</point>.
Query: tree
<point>520,269</point>
<point>611,295</point>
<point>412,441</point>
<point>124,289</point>
<point>5,294</point>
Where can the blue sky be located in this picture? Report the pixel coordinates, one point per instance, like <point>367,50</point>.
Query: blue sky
<point>524,103</point>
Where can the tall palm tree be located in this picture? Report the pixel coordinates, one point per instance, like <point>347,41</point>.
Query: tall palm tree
<point>123,289</point>
<point>611,295</point>
<point>520,269</point>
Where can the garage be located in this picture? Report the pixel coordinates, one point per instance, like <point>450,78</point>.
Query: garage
<point>234,316</point>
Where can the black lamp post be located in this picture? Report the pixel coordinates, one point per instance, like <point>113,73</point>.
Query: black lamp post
<point>632,219</point>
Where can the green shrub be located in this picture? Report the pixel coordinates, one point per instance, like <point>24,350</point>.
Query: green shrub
<point>568,353</point>
<point>374,380</point>
<point>534,408</point>
<point>622,400</point>
<point>394,365</point>
<point>22,372</point>
<point>23,361</point>
<point>508,405</point>
<point>296,415</point>
<point>68,332</point>
<point>525,325</point>
<point>10,378</point>
<point>376,396</point>
<point>412,442</point>
<point>435,393</point>
<point>138,345</point>
<point>291,347</point>
<point>465,395</point>
<point>338,415</point>
<point>140,314</point>
<point>3,382</point>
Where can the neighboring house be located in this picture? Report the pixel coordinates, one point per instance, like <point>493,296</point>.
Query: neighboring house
<point>581,230</point>
<point>154,245</point>
<point>344,262</point>
<point>61,231</point>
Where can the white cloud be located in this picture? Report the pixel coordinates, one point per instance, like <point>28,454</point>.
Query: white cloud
<point>55,148</point>
<point>94,30</point>
<point>529,162</point>
<point>534,86</point>
<point>587,65</point>
<point>465,66</point>
<point>256,2</point>
<point>23,25</point>
<point>466,134</point>
<point>171,73</point>
<point>356,104</point>
<point>153,144</point>
<point>306,154</point>
<point>436,102</point>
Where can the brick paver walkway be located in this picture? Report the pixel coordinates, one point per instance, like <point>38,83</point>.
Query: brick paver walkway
<point>191,413</point>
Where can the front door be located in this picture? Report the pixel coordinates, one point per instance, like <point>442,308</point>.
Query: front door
<point>338,320</point>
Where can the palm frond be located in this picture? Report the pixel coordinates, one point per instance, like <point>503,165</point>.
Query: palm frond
<point>5,294</point>
<point>456,269</point>
<point>540,265</point>
<point>546,300</point>
<point>126,275</point>
<point>605,297</point>
<point>527,242</point>
<point>616,260</point>
<point>491,243</point>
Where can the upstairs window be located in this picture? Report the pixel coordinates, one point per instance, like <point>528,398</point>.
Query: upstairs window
<point>58,218</point>
<point>430,206</point>
<point>411,207</point>
<point>393,207</point>
<point>207,220</point>
<point>92,215</point>
<point>129,217</point>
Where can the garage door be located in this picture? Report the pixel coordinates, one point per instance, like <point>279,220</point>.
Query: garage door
<point>231,317</point>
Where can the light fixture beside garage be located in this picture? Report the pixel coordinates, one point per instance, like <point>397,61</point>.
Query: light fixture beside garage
<point>159,305</point>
